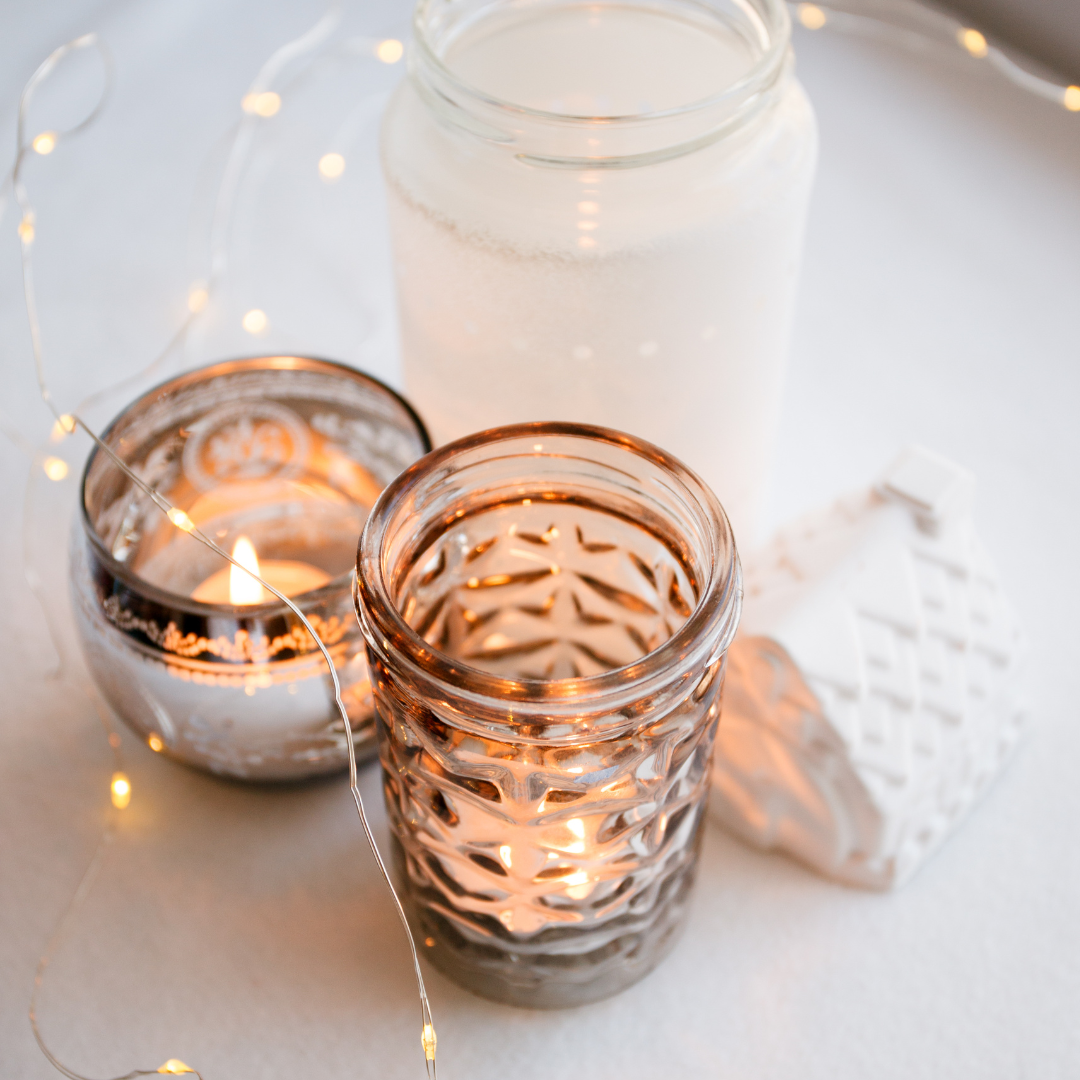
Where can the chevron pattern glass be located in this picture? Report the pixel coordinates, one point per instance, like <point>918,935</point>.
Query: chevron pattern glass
<point>547,609</point>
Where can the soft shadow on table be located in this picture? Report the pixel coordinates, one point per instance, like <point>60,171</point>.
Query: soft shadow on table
<point>245,929</point>
<point>228,909</point>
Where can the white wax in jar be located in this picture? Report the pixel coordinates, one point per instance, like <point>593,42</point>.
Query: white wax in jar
<point>655,299</point>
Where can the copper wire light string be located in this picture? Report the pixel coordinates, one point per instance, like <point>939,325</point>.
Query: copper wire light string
<point>180,520</point>
<point>904,22</point>
<point>900,21</point>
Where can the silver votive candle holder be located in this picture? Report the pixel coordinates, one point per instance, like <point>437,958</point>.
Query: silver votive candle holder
<point>279,459</point>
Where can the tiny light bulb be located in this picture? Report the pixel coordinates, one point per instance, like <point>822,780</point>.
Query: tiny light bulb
<point>811,16</point>
<point>181,520</point>
<point>428,1040</point>
<point>255,321</point>
<point>265,104</point>
<point>62,428</point>
<point>588,207</point>
<point>45,143</point>
<point>55,468</point>
<point>197,298</point>
<point>175,1066</point>
<point>155,744</point>
<point>390,51</point>
<point>331,166</point>
<point>973,41</point>
<point>1071,100</point>
<point>26,229</point>
<point>121,791</point>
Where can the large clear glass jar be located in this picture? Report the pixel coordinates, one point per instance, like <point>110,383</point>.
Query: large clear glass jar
<point>597,212</point>
<point>547,609</point>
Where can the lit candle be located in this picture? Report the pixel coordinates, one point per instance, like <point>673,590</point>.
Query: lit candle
<point>279,459</point>
<point>234,585</point>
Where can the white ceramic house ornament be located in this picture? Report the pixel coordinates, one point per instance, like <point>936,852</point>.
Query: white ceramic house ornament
<point>873,692</point>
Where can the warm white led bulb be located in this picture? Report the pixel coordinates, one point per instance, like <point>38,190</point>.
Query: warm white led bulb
<point>428,1040</point>
<point>973,41</point>
<point>55,468</point>
<point>331,166</point>
<point>390,51</point>
<point>120,789</point>
<point>264,104</point>
<point>255,321</point>
<point>198,297</point>
<point>181,520</point>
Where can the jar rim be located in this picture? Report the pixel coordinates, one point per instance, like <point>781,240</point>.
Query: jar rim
<point>711,624</point>
<point>769,19</point>
<point>179,601</point>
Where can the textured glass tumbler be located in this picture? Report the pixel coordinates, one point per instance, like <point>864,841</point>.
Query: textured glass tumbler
<point>547,609</point>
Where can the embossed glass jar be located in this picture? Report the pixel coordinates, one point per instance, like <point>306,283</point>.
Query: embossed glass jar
<point>597,213</point>
<point>547,609</point>
<point>290,452</point>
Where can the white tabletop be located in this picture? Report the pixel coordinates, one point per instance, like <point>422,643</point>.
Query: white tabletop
<point>243,928</point>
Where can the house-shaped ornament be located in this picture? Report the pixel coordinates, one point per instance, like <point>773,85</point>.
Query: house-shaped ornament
<point>873,692</point>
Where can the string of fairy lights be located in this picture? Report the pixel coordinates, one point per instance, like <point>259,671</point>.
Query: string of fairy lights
<point>906,23</point>
<point>903,22</point>
<point>264,102</point>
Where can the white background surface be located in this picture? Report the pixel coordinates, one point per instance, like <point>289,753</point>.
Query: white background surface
<point>241,928</point>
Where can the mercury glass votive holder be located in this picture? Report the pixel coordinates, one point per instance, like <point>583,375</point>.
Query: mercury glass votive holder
<point>284,454</point>
<point>547,609</point>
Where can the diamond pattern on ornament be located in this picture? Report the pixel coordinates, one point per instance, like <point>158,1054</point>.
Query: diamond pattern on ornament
<point>874,690</point>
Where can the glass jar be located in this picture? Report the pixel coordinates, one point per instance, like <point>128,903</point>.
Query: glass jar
<point>547,609</point>
<point>289,454</point>
<point>597,212</point>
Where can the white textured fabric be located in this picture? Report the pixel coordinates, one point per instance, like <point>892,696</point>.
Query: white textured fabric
<point>243,929</point>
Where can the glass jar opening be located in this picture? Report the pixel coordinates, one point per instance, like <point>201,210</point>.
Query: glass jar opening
<point>606,84</point>
<point>285,453</point>
<point>543,563</point>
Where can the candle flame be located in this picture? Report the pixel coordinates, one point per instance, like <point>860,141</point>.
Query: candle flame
<point>243,588</point>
